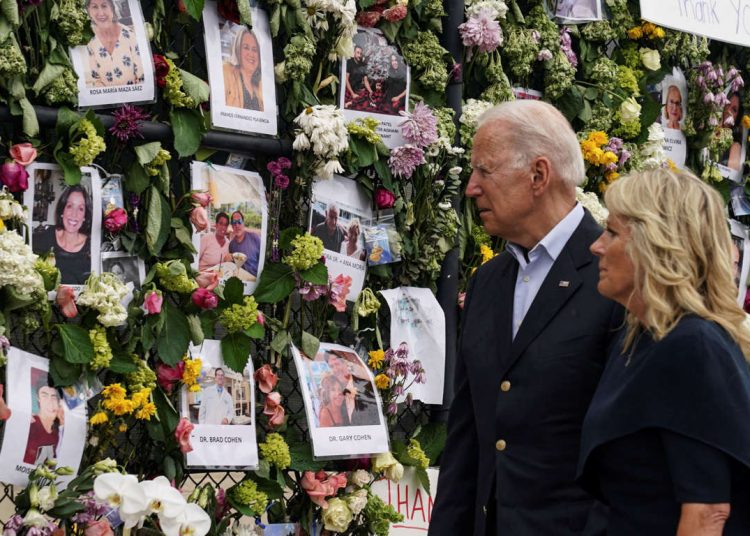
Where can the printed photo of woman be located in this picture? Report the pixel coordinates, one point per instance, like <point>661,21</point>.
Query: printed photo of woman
<point>242,73</point>
<point>731,117</point>
<point>113,56</point>
<point>672,117</point>
<point>353,244</point>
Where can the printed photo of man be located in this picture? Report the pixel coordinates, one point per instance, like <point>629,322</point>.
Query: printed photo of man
<point>329,231</point>
<point>245,241</point>
<point>217,406</point>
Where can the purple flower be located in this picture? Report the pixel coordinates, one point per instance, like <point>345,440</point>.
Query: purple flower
<point>281,181</point>
<point>14,523</point>
<point>544,55</point>
<point>566,45</point>
<point>310,292</point>
<point>284,162</point>
<point>392,409</point>
<point>481,31</point>
<point>127,118</point>
<point>420,126</point>
<point>273,167</point>
<point>455,73</point>
<point>405,159</point>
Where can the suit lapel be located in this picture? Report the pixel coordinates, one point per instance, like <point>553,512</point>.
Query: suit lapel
<point>561,283</point>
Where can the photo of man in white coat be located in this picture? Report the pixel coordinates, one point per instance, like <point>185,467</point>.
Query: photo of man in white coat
<point>217,406</point>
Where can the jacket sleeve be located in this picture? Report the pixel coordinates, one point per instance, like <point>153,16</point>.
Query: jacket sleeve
<point>454,508</point>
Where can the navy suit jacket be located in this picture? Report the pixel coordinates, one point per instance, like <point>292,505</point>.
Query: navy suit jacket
<point>531,392</point>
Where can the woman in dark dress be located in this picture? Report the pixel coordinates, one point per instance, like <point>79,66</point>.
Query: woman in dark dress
<point>666,440</point>
<point>70,238</point>
<point>395,86</point>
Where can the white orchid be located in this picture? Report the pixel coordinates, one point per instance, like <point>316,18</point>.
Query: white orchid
<point>163,499</point>
<point>125,493</point>
<point>191,521</point>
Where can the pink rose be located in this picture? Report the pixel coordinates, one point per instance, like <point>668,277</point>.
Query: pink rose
<point>199,218</point>
<point>208,280</point>
<point>202,198</point>
<point>14,176</point>
<point>274,410</point>
<point>395,13</point>
<point>316,489</point>
<point>336,482</point>
<point>99,527</point>
<point>66,301</point>
<point>205,299</point>
<point>265,379</point>
<point>260,318</point>
<point>115,220</point>
<point>168,376</point>
<point>23,153</point>
<point>4,409</point>
<point>152,302</point>
<point>182,435</point>
<point>384,198</point>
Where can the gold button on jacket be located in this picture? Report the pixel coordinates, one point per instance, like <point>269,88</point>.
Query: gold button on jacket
<point>501,444</point>
<point>505,386</point>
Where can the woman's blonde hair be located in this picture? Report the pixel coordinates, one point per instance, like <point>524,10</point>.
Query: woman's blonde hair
<point>680,247</point>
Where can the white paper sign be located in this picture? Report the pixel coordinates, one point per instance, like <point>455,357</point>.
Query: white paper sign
<point>723,20</point>
<point>41,426</point>
<point>409,498</point>
<point>418,320</point>
<point>339,210</point>
<point>342,404</point>
<point>223,413</point>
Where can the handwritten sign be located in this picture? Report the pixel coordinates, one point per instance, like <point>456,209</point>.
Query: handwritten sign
<point>723,20</point>
<point>410,499</point>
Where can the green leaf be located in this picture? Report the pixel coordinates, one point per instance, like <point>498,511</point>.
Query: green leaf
<point>170,468</point>
<point>570,103</point>
<point>186,125</point>
<point>196,330</point>
<point>256,331</point>
<point>147,152</point>
<point>30,122</point>
<point>235,349</point>
<point>194,8</point>
<point>158,221</point>
<point>423,478</point>
<point>64,373</point>
<point>310,344</point>
<point>281,341</point>
<point>287,235</point>
<point>317,275</point>
<point>49,74</point>
<point>194,86</point>
<point>432,439</point>
<point>10,12</point>
<point>168,416</point>
<point>66,509</point>
<point>136,180</point>
<point>276,283</point>
<point>302,459</point>
<point>174,337</point>
<point>390,29</point>
<point>234,291</point>
<point>122,363</point>
<point>76,343</point>
<point>384,173</point>
<point>274,21</point>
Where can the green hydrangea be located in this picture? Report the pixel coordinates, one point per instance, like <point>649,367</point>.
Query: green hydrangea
<point>142,378</point>
<point>298,56</point>
<point>306,252</point>
<point>558,76</point>
<point>627,131</point>
<point>604,73</point>
<point>630,56</point>
<point>711,174</point>
<point>433,8</point>
<point>601,117</point>
<point>240,317</point>
<point>173,276</point>
<point>425,54</point>
<point>549,33</point>
<point>153,168</point>
<point>627,79</point>
<point>247,494</point>
<point>173,92</point>
<point>599,31</point>
<point>621,18</point>
<point>446,126</point>
<point>380,515</point>
<point>365,128</point>
<point>12,62</point>
<point>88,147</point>
<point>71,22</point>
<point>276,451</point>
<point>498,92</point>
<point>685,49</point>
<point>520,50</point>
<point>102,350</point>
<point>50,274</point>
<point>415,451</point>
<point>480,236</point>
<point>63,89</point>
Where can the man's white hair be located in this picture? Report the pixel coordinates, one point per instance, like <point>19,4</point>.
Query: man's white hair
<point>536,129</point>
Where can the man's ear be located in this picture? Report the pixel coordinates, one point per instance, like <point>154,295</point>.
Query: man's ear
<point>541,169</point>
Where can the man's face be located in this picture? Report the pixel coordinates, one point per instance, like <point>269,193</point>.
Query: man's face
<point>49,402</point>
<point>502,194</point>
<point>332,218</point>
<point>339,369</point>
<point>221,227</point>
<point>219,378</point>
<point>357,54</point>
<point>238,225</point>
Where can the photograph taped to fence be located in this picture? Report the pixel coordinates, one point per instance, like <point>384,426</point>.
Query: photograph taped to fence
<point>240,72</point>
<point>221,407</point>
<point>40,426</point>
<point>115,67</point>
<point>342,404</point>
<point>65,220</point>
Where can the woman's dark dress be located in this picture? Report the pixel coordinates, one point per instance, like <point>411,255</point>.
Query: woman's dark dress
<point>74,268</point>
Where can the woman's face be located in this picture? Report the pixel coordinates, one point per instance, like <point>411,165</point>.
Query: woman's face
<point>732,109</point>
<point>100,12</point>
<point>616,270</point>
<point>674,104</point>
<point>249,53</point>
<point>49,401</point>
<point>74,212</point>
<point>394,62</point>
<point>336,394</point>
<point>353,233</point>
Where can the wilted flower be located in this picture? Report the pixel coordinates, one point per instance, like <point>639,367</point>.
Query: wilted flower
<point>161,70</point>
<point>273,409</point>
<point>182,434</point>
<point>420,126</point>
<point>199,218</point>
<point>152,302</point>
<point>66,300</point>
<point>127,119</point>
<point>266,379</point>
<point>201,198</point>
<point>115,220</point>
<point>405,159</point>
<point>482,31</point>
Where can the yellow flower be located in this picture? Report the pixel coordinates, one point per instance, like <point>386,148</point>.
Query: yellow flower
<point>746,121</point>
<point>2,225</point>
<point>671,164</point>
<point>141,397</point>
<point>599,137</point>
<point>114,391</point>
<point>382,381</point>
<point>635,33</point>
<point>595,156</point>
<point>611,175</point>
<point>658,33</point>
<point>376,359</point>
<point>649,27</point>
<point>486,252</point>
<point>602,187</point>
<point>146,412</point>
<point>119,406</point>
<point>99,417</point>
<point>194,388</point>
<point>192,372</point>
<point>608,158</point>
<point>123,427</point>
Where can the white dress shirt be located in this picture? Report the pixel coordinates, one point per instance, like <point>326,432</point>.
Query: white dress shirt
<point>534,266</point>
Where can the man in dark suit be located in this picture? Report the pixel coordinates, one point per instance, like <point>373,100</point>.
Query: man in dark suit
<point>534,338</point>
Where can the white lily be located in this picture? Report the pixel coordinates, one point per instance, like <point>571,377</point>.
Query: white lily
<point>125,493</point>
<point>163,499</point>
<point>191,521</point>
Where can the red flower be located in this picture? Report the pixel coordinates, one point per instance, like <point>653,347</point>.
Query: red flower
<point>167,376</point>
<point>384,198</point>
<point>368,19</point>
<point>229,10</point>
<point>14,176</point>
<point>115,220</point>
<point>161,69</point>
<point>395,13</point>
<point>205,299</point>
<point>266,379</point>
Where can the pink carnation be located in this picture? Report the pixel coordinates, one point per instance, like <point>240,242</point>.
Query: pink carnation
<point>338,292</point>
<point>481,31</point>
<point>420,126</point>
<point>405,159</point>
<point>395,13</point>
<point>368,19</point>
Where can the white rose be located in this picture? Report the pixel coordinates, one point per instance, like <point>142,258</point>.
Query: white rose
<point>651,59</point>
<point>395,472</point>
<point>360,477</point>
<point>630,110</point>
<point>357,501</point>
<point>337,516</point>
<point>47,498</point>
